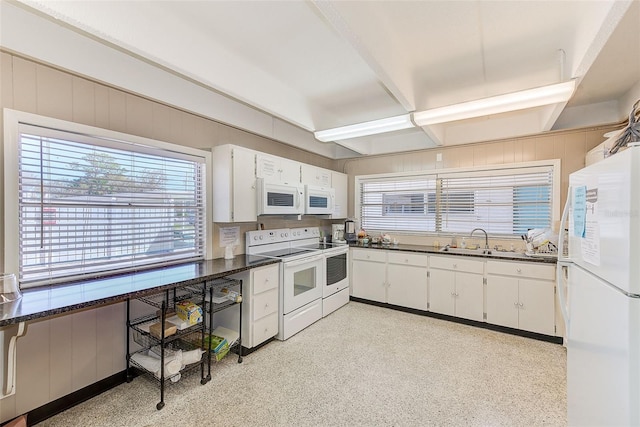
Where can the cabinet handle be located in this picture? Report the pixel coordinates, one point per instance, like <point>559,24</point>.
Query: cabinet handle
<point>515,304</point>
<point>519,270</point>
<point>521,305</point>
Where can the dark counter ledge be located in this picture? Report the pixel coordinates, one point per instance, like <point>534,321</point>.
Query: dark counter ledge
<point>48,301</point>
<point>495,255</point>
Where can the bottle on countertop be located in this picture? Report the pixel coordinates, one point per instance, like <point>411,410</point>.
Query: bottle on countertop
<point>454,242</point>
<point>463,244</point>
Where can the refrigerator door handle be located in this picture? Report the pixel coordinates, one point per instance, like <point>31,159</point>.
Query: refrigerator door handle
<point>562,267</point>
<point>562,278</point>
<point>563,225</point>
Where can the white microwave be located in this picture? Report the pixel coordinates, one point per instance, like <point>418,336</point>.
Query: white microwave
<point>279,199</point>
<point>319,200</point>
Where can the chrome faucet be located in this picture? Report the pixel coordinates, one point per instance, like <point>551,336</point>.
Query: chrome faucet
<point>486,238</point>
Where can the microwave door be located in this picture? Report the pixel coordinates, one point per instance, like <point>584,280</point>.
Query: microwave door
<point>319,201</point>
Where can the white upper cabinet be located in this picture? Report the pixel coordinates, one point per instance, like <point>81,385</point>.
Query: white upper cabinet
<point>313,175</point>
<point>234,184</point>
<point>277,169</point>
<point>339,183</point>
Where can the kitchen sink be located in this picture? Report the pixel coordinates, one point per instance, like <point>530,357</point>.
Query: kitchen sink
<point>483,252</point>
<point>465,251</point>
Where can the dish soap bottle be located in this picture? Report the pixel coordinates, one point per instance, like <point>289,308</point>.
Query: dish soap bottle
<point>463,244</point>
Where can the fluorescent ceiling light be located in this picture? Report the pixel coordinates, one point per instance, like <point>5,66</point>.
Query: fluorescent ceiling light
<point>367,128</point>
<point>537,97</point>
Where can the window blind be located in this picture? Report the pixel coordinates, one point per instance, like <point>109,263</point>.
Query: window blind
<point>90,205</point>
<point>398,204</point>
<point>504,202</point>
<point>507,204</point>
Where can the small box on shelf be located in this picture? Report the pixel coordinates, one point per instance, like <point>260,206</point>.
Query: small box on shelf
<point>189,312</point>
<point>156,330</point>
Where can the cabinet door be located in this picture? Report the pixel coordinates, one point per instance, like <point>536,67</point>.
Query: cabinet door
<point>469,296</point>
<point>441,290</point>
<point>368,280</point>
<point>407,286</point>
<point>267,167</point>
<point>277,169</point>
<point>537,309</point>
<point>339,184</point>
<point>244,186</point>
<point>289,172</point>
<point>502,301</point>
<point>313,175</point>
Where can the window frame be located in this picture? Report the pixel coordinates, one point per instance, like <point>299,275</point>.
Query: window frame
<point>503,169</point>
<point>13,119</point>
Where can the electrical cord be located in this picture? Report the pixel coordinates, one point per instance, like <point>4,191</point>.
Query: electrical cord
<point>631,133</point>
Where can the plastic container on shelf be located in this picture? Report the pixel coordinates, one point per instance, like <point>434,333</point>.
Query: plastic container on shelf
<point>9,290</point>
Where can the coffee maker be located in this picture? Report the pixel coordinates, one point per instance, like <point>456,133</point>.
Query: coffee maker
<point>350,231</point>
<point>337,233</point>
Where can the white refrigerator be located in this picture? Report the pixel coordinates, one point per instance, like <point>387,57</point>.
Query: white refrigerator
<point>599,289</point>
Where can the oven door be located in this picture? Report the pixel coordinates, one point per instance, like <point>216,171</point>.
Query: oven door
<point>337,271</point>
<point>318,200</point>
<point>302,282</point>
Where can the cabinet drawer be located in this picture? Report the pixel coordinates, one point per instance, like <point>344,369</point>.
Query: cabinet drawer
<point>522,269</point>
<point>266,278</point>
<point>265,303</point>
<point>265,328</point>
<point>375,255</point>
<point>457,263</point>
<point>407,258</point>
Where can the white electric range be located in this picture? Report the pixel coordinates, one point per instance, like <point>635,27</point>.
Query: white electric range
<point>302,275</point>
<point>335,292</point>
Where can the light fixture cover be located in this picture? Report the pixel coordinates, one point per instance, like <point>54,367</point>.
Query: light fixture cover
<point>366,128</point>
<point>529,98</point>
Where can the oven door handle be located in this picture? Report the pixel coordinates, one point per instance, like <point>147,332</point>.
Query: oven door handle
<point>303,261</point>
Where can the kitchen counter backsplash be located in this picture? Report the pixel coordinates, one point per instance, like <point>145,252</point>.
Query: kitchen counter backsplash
<point>496,255</point>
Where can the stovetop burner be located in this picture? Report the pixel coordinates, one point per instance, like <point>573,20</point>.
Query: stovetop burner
<point>286,253</point>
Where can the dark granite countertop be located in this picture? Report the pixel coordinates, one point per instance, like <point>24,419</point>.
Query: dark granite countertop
<point>48,301</point>
<point>495,255</point>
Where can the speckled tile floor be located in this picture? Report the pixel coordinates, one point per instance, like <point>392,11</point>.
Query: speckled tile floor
<point>361,366</point>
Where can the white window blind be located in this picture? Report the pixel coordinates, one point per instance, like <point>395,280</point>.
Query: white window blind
<point>88,205</point>
<point>504,202</point>
<point>398,204</point>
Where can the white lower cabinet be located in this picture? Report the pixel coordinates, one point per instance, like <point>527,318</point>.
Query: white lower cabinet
<point>407,280</point>
<point>260,304</point>
<point>369,274</point>
<point>456,287</point>
<point>398,278</point>
<point>521,296</point>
